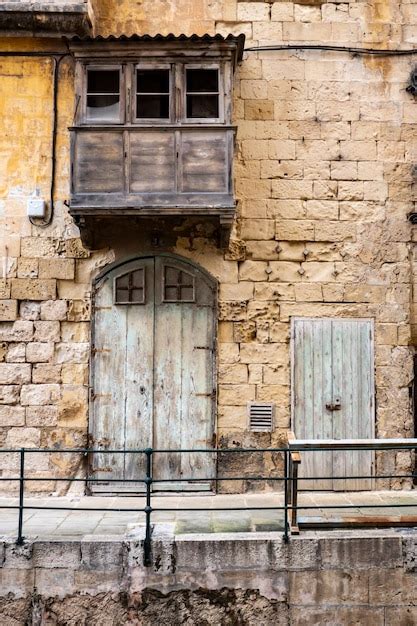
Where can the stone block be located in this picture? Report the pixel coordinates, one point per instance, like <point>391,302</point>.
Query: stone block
<point>14,373</point>
<point>244,332</point>
<point>46,373</point>
<point>30,310</point>
<point>232,311</point>
<point>259,110</point>
<point>296,230</point>
<point>228,353</point>
<point>17,582</point>
<point>285,271</point>
<point>79,310</point>
<point>242,290</point>
<point>8,310</point>
<point>23,437</point>
<point>58,582</point>
<point>292,189</point>
<point>16,353</point>
<point>282,12</point>
<point>400,616</point>
<point>27,268</point>
<point>409,545</point>
<point>263,353</point>
<point>12,416</point>
<point>40,395</point>
<point>252,11</point>
<point>74,374</point>
<point>235,394</point>
<point>39,352</point>
<point>231,373</point>
<point>60,554</point>
<point>47,331</point>
<point>75,332</point>
<point>9,394</point>
<point>327,587</point>
<point>101,555</point>
<point>41,416</point>
<point>331,616</point>
<point>72,352</point>
<point>258,229</point>
<point>33,289</point>
<point>19,331</point>
<point>263,310</point>
<point>360,553</point>
<point>72,407</point>
<point>252,270</point>
<point>392,587</point>
<point>54,310</point>
<point>57,268</point>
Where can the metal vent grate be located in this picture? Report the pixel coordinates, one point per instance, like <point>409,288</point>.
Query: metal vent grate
<point>261,416</point>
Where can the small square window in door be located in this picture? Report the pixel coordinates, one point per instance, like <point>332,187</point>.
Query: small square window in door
<point>179,286</point>
<point>130,288</point>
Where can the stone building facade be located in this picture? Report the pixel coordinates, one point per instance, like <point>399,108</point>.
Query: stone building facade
<point>324,171</point>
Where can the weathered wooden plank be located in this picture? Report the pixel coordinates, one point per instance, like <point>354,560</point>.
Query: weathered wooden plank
<point>98,170</point>
<point>204,161</point>
<point>138,419</point>
<point>108,390</point>
<point>152,162</point>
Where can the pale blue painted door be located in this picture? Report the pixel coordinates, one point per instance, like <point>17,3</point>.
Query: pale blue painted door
<point>153,374</point>
<point>333,397</point>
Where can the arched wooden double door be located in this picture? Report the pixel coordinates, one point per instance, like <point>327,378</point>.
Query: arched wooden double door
<point>153,373</point>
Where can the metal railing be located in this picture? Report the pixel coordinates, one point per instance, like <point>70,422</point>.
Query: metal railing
<point>291,459</point>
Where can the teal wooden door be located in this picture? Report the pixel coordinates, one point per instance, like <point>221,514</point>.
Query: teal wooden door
<point>333,397</point>
<point>152,380</point>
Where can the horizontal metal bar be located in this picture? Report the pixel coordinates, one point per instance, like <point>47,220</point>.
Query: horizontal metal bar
<point>206,479</point>
<point>141,451</point>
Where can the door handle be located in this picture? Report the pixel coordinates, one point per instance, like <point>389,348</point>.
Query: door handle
<point>334,406</point>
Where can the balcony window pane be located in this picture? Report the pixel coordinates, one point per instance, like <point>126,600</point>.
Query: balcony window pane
<point>152,94</point>
<point>202,93</point>
<point>103,95</point>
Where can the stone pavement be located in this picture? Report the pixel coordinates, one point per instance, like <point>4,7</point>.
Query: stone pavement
<point>73,524</point>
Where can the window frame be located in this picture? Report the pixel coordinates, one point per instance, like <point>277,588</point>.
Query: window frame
<point>183,108</point>
<point>121,120</point>
<point>128,93</point>
<point>156,121</point>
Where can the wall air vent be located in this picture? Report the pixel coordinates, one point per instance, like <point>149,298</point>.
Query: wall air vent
<point>261,415</point>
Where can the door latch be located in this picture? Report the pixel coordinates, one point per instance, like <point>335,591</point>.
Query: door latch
<point>334,406</point>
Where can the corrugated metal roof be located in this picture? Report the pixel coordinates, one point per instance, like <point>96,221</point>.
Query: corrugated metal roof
<point>238,40</point>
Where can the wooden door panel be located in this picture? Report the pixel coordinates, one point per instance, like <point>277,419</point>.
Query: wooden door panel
<point>122,366</point>
<point>332,364</point>
<point>184,343</point>
<point>153,373</point>
<point>312,384</point>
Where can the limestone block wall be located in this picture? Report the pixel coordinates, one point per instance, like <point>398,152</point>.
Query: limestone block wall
<point>324,176</point>
<point>366,578</point>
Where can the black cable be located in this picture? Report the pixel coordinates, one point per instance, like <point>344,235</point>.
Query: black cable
<point>351,50</point>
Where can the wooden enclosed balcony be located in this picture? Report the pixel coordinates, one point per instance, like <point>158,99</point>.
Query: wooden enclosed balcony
<point>152,133</point>
<point>152,170</point>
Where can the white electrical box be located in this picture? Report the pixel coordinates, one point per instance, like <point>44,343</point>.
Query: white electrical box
<point>36,207</point>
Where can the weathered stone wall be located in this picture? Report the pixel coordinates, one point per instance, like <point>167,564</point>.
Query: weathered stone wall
<point>324,177</point>
<point>367,578</point>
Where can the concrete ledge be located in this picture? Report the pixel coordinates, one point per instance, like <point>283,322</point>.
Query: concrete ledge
<point>44,19</point>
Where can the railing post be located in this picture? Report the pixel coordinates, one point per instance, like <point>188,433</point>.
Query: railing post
<point>20,538</point>
<point>286,472</point>
<point>147,548</point>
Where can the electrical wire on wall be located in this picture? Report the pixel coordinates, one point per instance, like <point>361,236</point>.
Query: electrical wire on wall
<point>56,61</point>
<point>330,48</point>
